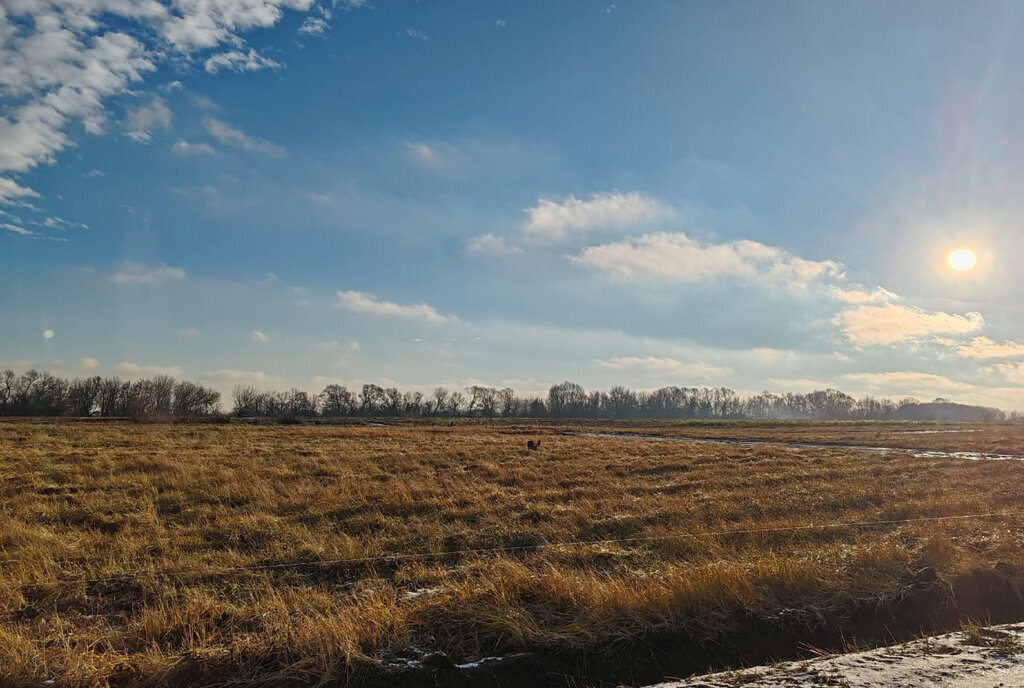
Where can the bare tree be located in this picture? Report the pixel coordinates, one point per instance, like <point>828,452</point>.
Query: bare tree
<point>440,403</point>
<point>336,400</point>
<point>371,398</point>
<point>246,400</point>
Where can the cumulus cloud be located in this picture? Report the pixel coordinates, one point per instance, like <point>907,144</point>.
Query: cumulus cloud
<point>207,24</point>
<point>662,366</point>
<point>55,74</point>
<point>233,136</point>
<point>259,336</point>
<point>983,347</point>
<point>491,245</point>
<point>139,273</point>
<point>237,61</point>
<point>872,325</point>
<point>184,148</point>
<point>86,363</point>
<point>554,220</point>
<point>361,302</point>
<point>61,60</point>
<point>676,257</point>
<point>136,370</point>
<point>143,120</point>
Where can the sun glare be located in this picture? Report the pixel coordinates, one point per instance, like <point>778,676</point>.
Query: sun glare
<point>962,259</point>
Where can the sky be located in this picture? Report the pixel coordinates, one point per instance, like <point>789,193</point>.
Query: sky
<point>292,193</point>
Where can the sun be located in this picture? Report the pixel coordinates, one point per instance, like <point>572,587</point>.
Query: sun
<point>962,259</point>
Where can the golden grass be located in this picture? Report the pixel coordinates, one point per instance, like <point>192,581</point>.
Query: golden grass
<point>113,538</point>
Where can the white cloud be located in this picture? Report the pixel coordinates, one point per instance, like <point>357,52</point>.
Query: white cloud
<point>56,73</point>
<point>188,332</point>
<point>675,257</point>
<point>139,273</point>
<point>983,347</point>
<point>891,323</point>
<point>859,295</point>
<point>135,370</point>
<point>16,229</point>
<point>1011,372</point>
<point>259,336</point>
<point>414,33</point>
<point>237,61</point>
<point>553,220</point>
<point>61,60</point>
<point>233,136</point>
<point>314,26</point>
<point>184,148</point>
<point>143,120</point>
<point>500,23</point>
<point>491,245</point>
<point>662,366</point>
<point>204,103</point>
<point>11,192</point>
<point>201,24</point>
<point>86,363</point>
<point>361,302</point>
<point>907,382</point>
<point>61,223</point>
<point>423,153</point>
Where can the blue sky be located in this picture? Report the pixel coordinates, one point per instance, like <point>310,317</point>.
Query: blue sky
<point>290,193</point>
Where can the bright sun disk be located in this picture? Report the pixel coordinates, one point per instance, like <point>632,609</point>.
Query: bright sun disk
<point>962,259</point>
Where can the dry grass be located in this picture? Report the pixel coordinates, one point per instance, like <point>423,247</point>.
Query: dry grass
<point>111,537</point>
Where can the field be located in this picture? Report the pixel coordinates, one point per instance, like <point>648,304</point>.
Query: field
<point>450,555</point>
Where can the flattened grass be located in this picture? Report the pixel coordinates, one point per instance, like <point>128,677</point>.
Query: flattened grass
<point>136,553</point>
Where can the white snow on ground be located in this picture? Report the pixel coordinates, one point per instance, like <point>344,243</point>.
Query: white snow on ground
<point>988,657</point>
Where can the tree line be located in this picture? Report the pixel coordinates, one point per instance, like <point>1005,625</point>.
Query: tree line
<point>35,393</point>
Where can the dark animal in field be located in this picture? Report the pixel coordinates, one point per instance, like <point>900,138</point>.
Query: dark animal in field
<point>533,445</point>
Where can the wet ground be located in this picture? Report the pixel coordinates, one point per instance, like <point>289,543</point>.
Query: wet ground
<point>798,446</point>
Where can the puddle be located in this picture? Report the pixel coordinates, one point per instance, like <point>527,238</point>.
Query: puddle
<point>803,446</point>
<point>928,432</point>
